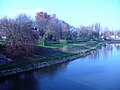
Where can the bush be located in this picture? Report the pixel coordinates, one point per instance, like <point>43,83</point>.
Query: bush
<point>62,41</point>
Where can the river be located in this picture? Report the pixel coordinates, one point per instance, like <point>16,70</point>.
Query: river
<point>98,71</point>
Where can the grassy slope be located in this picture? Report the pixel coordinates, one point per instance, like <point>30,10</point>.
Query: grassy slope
<point>85,44</point>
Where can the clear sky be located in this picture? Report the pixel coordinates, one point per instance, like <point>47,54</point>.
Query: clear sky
<point>74,12</point>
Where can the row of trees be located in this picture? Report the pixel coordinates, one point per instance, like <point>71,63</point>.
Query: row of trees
<point>23,33</point>
<point>51,28</point>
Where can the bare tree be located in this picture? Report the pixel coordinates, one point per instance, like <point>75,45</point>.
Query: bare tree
<point>20,38</point>
<point>42,20</point>
<point>65,30</point>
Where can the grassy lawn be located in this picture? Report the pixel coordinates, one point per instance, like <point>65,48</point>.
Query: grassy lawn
<point>88,49</point>
<point>74,48</point>
<point>67,44</point>
<point>22,65</point>
<point>69,53</point>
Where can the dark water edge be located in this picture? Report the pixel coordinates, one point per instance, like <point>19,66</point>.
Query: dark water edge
<point>98,71</point>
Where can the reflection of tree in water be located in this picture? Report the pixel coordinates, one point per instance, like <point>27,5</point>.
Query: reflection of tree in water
<point>52,70</point>
<point>31,80</point>
<point>94,56</point>
<point>117,46</point>
<point>25,81</point>
<point>107,49</point>
<point>28,82</point>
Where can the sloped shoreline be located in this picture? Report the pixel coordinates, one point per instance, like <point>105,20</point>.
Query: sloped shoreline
<point>45,63</point>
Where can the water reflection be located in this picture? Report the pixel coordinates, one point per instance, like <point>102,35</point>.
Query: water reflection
<point>94,56</point>
<point>117,46</point>
<point>76,75</point>
<point>31,80</point>
<point>107,49</point>
<point>52,70</point>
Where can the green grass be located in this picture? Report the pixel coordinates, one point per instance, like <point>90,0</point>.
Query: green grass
<point>8,66</point>
<point>67,44</point>
<point>70,53</point>
<point>47,58</point>
<point>87,49</point>
<point>52,57</point>
<point>66,54</point>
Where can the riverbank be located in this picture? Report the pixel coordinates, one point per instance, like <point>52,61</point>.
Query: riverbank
<point>79,51</point>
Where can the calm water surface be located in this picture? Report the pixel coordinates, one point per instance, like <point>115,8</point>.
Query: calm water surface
<point>99,71</point>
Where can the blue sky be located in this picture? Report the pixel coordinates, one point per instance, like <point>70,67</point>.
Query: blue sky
<point>74,12</point>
